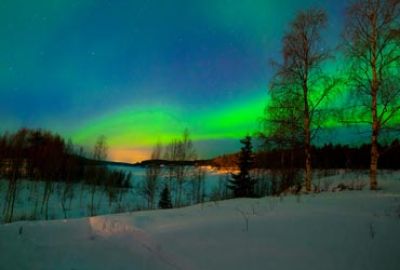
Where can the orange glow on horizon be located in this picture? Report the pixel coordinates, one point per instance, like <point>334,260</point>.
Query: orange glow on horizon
<point>129,155</point>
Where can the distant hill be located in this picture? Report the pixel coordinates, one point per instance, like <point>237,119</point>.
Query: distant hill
<point>145,163</point>
<point>327,156</point>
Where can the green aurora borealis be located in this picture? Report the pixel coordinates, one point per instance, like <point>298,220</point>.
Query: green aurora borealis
<point>140,72</point>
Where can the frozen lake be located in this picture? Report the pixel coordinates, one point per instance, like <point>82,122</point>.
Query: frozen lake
<point>28,203</point>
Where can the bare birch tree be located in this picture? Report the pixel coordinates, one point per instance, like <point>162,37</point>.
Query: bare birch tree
<point>372,48</point>
<point>304,55</point>
<point>283,129</point>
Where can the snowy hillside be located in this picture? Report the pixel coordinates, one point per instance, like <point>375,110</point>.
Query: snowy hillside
<point>332,230</point>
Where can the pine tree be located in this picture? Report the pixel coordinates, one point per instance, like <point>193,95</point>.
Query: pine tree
<point>242,183</point>
<point>165,199</point>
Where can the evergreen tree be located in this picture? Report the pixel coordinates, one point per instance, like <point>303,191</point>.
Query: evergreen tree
<point>242,183</point>
<point>165,199</point>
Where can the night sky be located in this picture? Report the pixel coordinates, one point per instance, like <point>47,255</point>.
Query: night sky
<point>139,72</point>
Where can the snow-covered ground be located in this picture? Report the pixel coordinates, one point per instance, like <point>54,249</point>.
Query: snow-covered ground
<point>329,230</point>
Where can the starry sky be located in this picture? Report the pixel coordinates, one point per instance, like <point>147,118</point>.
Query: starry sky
<point>140,72</point>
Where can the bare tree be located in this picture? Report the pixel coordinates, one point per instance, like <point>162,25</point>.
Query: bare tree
<point>372,48</point>
<point>15,168</point>
<point>301,72</point>
<point>283,128</point>
<point>197,184</point>
<point>97,172</point>
<point>179,150</point>
<point>170,154</point>
<point>186,152</point>
<point>68,186</point>
<point>153,171</point>
<point>100,148</point>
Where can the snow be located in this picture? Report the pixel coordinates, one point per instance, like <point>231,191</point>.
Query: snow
<point>329,230</point>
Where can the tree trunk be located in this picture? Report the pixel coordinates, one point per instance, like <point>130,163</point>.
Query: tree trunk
<point>375,121</point>
<point>373,182</point>
<point>93,191</point>
<point>307,139</point>
<point>307,152</point>
<point>14,193</point>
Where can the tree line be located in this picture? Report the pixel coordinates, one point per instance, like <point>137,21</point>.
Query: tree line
<point>331,156</point>
<point>262,173</point>
<point>41,156</point>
